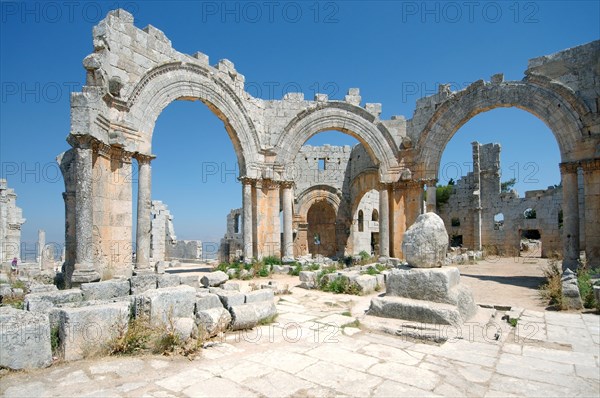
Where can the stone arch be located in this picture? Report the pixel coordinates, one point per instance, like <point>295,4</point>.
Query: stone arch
<point>559,109</point>
<point>315,194</point>
<point>345,118</point>
<point>186,81</point>
<point>360,185</point>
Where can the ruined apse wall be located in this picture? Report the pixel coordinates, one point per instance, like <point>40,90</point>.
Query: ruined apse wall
<point>11,220</point>
<point>460,214</point>
<point>232,244</point>
<point>164,245</point>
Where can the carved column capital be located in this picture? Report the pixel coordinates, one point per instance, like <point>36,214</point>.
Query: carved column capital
<point>407,184</point>
<point>82,141</point>
<point>247,180</point>
<point>143,158</point>
<point>568,167</point>
<point>101,149</point>
<point>590,165</point>
<point>287,184</point>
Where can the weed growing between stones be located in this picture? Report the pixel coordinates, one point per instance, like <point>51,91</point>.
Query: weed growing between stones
<point>552,289</point>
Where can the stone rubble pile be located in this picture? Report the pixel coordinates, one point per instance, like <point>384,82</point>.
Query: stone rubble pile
<point>87,318</point>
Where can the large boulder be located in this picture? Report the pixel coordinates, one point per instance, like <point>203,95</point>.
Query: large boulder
<point>24,339</point>
<point>425,243</point>
<point>247,316</point>
<point>570,291</point>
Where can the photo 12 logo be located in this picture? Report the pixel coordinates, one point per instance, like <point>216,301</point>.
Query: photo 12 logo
<point>61,11</point>
<point>326,12</point>
<point>469,12</point>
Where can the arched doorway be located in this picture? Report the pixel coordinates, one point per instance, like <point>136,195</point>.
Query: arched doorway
<point>322,239</point>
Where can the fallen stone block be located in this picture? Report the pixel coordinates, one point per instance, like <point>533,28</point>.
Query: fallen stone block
<point>281,269</point>
<point>216,278</point>
<point>141,283</point>
<point>168,303</point>
<point>190,280</point>
<point>231,286</point>
<point>259,295</point>
<point>43,302</point>
<point>308,279</point>
<point>206,301</point>
<point>212,321</point>
<point>42,288</point>
<point>230,298</point>
<point>105,290</point>
<point>24,339</point>
<point>184,328</point>
<point>570,291</point>
<point>168,280</point>
<point>247,316</point>
<point>366,283</point>
<point>415,310</point>
<point>88,331</point>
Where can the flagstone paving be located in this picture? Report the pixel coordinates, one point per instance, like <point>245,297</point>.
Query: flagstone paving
<point>307,353</point>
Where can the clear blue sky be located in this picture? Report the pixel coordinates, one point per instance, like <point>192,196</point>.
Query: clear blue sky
<point>395,52</point>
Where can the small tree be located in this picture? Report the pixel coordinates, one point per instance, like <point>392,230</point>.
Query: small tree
<point>507,185</point>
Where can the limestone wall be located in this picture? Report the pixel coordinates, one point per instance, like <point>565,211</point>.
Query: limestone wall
<point>503,214</point>
<point>164,245</point>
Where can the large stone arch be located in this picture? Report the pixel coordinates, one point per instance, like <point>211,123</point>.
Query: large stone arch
<point>166,83</point>
<point>345,118</point>
<point>556,106</point>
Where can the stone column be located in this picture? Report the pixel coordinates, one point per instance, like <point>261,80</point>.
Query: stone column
<point>142,238</point>
<point>591,183</point>
<point>288,242</point>
<point>431,196</point>
<point>384,221</point>
<point>84,217</point>
<point>247,219</point>
<point>40,248</point>
<point>570,208</point>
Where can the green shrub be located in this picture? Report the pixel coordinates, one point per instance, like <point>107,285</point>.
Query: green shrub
<point>341,285</point>
<point>222,267</point>
<point>586,288</point>
<point>264,271</point>
<point>271,260</point>
<point>295,271</point>
<point>364,255</point>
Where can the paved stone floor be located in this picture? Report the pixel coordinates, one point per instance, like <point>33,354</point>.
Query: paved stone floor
<point>309,352</point>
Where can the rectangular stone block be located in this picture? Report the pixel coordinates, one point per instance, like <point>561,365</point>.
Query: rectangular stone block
<point>415,310</point>
<point>43,302</point>
<point>24,339</point>
<point>247,316</point>
<point>168,280</point>
<point>86,331</point>
<point>105,290</point>
<point>169,302</point>
<point>260,295</point>
<point>432,284</point>
<point>230,298</point>
<point>206,301</point>
<point>141,283</point>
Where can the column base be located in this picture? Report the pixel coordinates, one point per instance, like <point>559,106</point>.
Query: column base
<point>83,276</point>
